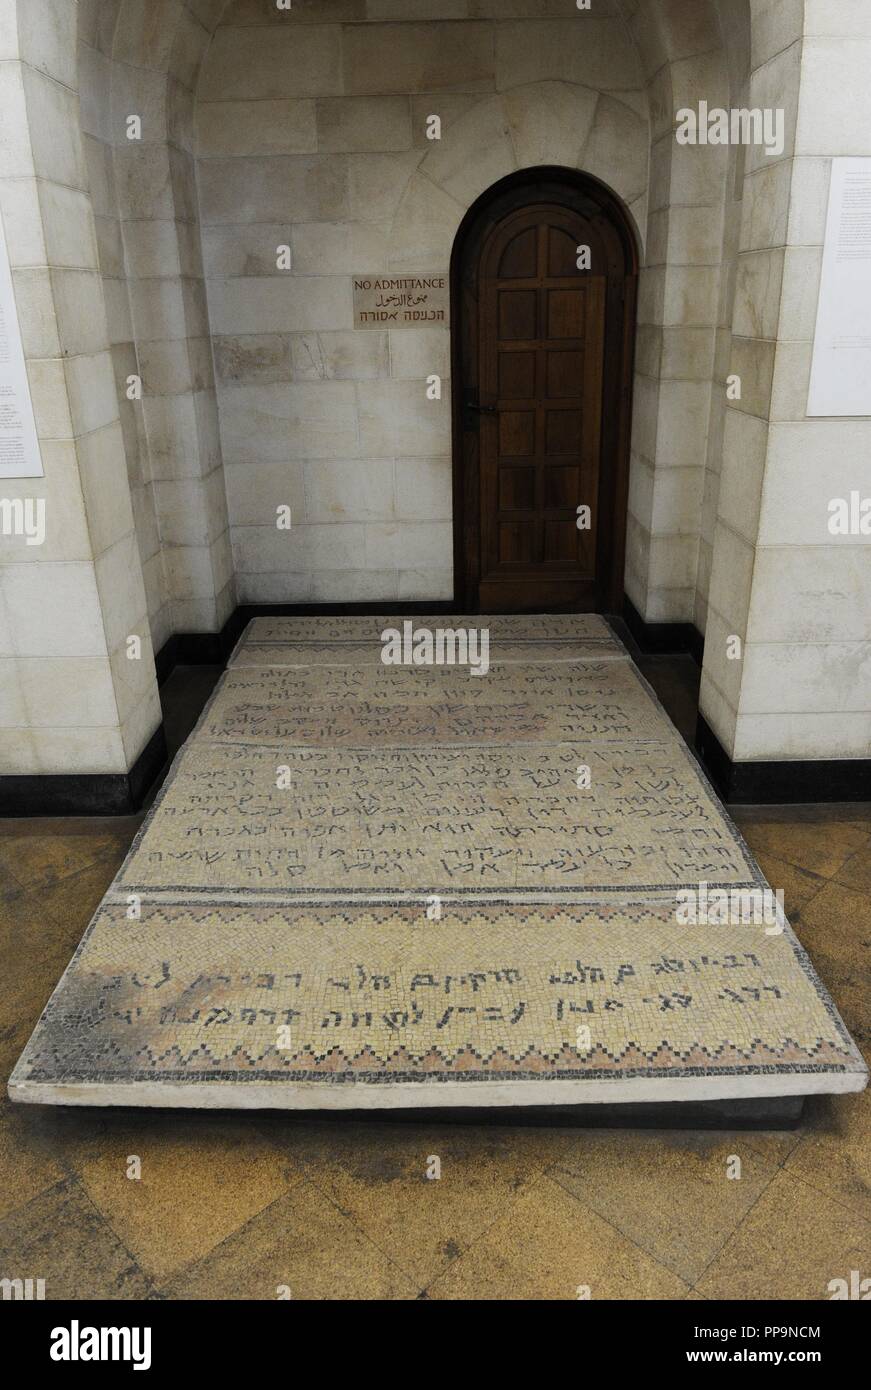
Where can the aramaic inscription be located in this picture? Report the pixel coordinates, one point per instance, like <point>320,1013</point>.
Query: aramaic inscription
<point>273,922</point>
<point>401,301</point>
<point>387,822</point>
<point>344,990</point>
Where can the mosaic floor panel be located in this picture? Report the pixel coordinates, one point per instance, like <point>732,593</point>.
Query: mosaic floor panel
<point>476,820</point>
<point>577,629</point>
<point>354,706</point>
<point>371,886</point>
<point>357,641</point>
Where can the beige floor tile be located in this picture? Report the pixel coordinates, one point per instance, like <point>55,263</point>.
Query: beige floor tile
<point>26,931</point>
<point>835,929</point>
<point>834,1154</point>
<point>852,996</point>
<point>772,1145</point>
<point>856,873</point>
<point>36,853</point>
<point>377,1174</point>
<point>27,1165</point>
<point>304,1243</point>
<point>39,931</point>
<point>546,1247</point>
<point>27,981</point>
<point>32,944</point>
<point>798,885</point>
<point>819,851</point>
<point>199,1184</point>
<point>73,902</point>
<point>669,1193</point>
<point>793,1242</point>
<point>14,1033</point>
<point>61,1238</point>
<point>837,923</point>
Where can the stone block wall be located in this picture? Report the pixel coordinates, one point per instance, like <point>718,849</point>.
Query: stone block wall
<point>313,135</point>
<point>70,699</point>
<point>798,597</point>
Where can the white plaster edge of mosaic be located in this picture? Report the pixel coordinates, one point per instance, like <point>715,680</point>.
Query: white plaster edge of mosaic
<point>284,1095</point>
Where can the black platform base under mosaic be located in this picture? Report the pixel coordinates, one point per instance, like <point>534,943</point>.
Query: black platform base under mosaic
<point>763,1114</point>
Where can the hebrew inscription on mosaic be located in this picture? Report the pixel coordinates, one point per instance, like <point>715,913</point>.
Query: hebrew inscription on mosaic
<point>409,878</point>
<point>350,991</point>
<point>388,704</point>
<point>478,819</point>
<point>574,627</point>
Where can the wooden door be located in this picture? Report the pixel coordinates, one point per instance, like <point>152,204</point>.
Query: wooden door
<point>542,363</point>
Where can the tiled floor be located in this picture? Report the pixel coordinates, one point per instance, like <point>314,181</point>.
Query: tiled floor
<point>237,1207</point>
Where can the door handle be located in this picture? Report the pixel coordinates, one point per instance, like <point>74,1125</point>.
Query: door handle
<point>471,408</point>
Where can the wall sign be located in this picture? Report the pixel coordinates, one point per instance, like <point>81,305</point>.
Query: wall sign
<point>401,301</point>
<point>841,370</point>
<point>19,446</point>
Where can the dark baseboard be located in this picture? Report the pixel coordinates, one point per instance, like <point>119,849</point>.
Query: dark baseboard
<point>197,649</point>
<point>166,660</point>
<point>214,648</point>
<point>87,794</point>
<point>660,639</point>
<point>791,782</point>
<point>760,1112</point>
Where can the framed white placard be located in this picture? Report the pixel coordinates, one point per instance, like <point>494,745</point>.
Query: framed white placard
<point>841,368</point>
<point>19,447</point>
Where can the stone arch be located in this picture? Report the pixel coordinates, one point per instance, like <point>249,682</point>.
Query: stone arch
<point>681,46</point>
<point>585,129</point>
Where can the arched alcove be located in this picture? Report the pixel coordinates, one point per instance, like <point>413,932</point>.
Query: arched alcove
<point>316,413</point>
<point>606,106</point>
<point>646,59</point>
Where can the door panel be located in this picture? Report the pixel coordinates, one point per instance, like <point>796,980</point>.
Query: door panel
<point>542,371</point>
<point>541,339</point>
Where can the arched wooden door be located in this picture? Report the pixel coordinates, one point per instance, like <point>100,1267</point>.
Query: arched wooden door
<point>543,337</point>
